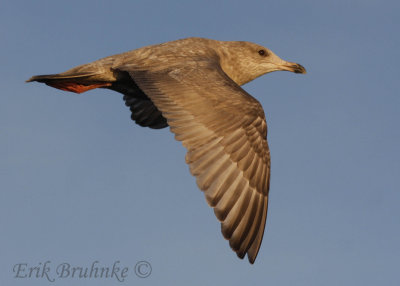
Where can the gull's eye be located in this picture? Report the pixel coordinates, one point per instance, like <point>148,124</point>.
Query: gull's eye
<point>262,53</point>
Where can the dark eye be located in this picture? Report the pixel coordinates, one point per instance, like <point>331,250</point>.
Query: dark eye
<point>262,53</point>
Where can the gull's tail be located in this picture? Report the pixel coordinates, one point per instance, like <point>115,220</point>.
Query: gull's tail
<point>79,79</point>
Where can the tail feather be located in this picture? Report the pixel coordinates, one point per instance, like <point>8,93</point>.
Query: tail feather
<point>81,78</point>
<point>51,77</point>
<point>77,83</point>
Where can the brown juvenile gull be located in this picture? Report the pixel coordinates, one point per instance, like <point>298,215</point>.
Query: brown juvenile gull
<point>193,86</point>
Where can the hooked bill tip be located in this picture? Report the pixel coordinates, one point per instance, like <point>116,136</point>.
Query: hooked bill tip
<point>298,68</point>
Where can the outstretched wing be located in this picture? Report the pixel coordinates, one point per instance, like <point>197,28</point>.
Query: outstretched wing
<point>224,131</point>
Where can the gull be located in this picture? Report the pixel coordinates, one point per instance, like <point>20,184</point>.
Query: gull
<point>193,85</point>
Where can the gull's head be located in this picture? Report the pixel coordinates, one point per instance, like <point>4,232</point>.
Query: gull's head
<point>245,61</point>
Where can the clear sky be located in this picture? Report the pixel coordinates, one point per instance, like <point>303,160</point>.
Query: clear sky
<point>80,182</point>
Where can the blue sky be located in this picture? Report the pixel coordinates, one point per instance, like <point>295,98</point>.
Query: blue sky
<point>80,182</point>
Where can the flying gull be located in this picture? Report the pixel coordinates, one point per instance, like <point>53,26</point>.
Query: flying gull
<point>193,86</point>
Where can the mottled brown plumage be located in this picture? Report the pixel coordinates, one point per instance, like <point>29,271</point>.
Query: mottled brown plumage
<point>193,86</point>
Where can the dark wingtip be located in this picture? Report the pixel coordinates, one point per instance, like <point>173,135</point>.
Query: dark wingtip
<point>251,259</point>
<point>241,255</point>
